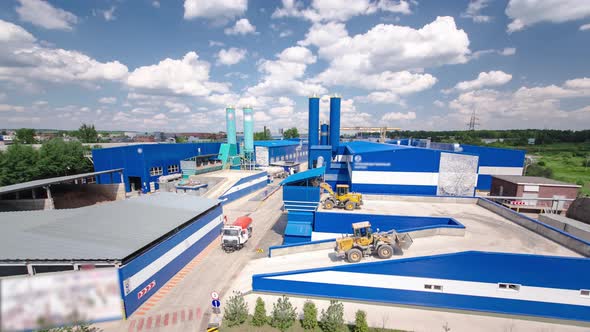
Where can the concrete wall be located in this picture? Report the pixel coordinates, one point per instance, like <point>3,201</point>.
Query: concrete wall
<point>574,227</point>
<point>25,204</point>
<point>567,240</point>
<point>432,199</point>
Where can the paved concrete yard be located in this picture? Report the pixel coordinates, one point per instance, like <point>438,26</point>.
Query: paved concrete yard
<point>485,231</point>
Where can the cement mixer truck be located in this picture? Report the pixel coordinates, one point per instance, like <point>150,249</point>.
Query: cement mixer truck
<point>235,235</point>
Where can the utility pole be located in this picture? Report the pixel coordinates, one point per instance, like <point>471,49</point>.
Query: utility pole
<point>473,121</point>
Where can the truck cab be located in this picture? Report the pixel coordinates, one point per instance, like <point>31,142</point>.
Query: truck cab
<point>234,236</point>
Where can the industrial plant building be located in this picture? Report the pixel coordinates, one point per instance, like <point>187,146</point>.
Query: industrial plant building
<point>399,167</point>
<point>148,239</point>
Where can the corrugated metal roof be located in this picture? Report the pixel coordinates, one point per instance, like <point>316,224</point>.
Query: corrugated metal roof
<point>45,182</point>
<point>534,180</point>
<point>110,231</point>
<point>364,147</point>
<point>275,143</point>
<point>312,173</point>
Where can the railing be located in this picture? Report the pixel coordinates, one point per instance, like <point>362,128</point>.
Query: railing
<point>554,205</point>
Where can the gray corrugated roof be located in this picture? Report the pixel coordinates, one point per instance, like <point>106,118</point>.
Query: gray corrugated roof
<point>110,231</point>
<point>533,180</point>
<point>44,182</point>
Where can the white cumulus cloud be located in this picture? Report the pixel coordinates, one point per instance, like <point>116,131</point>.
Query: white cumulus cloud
<point>107,100</point>
<point>186,76</point>
<point>242,27</point>
<point>42,13</point>
<point>485,79</point>
<point>284,75</point>
<point>230,56</point>
<point>526,107</point>
<point>339,10</point>
<point>397,116</point>
<point>388,59</point>
<point>23,60</point>
<point>214,9</point>
<point>474,9</point>
<point>525,13</point>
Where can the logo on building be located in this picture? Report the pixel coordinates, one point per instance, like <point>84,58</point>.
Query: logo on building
<point>358,158</point>
<point>146,289</point>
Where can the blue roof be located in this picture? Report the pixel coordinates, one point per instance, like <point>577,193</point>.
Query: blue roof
<point>275,143</point>
<point>309,174</point>
<point>364,147</point>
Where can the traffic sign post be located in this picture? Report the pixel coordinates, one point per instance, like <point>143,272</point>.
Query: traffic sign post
<point>216,304</point>
<point>214,295</point>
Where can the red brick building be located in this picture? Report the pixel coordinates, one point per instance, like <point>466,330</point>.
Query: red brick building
<point>532,187</point>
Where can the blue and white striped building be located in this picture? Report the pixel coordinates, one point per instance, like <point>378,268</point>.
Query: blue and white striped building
<point>501,283</point>
<point>407,170</point>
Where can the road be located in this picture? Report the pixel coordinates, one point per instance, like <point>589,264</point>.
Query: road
<point>184,303</point>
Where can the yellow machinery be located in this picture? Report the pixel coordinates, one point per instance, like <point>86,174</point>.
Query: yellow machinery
<point>342,198</point>
<point>364,242</point>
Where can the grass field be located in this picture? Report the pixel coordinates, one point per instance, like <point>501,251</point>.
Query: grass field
<point>569,162</point>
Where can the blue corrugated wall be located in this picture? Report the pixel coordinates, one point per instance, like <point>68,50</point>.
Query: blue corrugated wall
<point>337,222</point>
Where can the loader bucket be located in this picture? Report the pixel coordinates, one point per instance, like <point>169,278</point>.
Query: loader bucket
<point>404,240</point>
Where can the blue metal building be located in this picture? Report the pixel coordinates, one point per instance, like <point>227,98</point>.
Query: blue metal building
<point>268,152</point>
<point>492,161</point>
<point>143,164</point>
<point>513,284</point>
<point>394,169</point>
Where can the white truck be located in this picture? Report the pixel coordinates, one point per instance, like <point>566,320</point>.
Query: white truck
<point>235,235</point>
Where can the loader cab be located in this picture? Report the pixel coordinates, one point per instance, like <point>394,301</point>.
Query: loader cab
<point>342,189</point>
<point>363,232</point>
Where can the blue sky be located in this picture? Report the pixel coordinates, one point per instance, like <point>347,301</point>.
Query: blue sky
<point>175,65</point>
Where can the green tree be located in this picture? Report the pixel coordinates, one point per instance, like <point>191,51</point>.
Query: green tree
<point>259,318</point>
<point>283,314</point>
<point>263,135</point>
<point>4,132</point>
<point>538,170</point>
<point>236,310</point>
<point>18,164</point>
<point>360,322</point>
<point>332,319</point>
<point>291,133</point>
<point>87,134</point>
<point>310,316</point>
<point>25,136</point>
<point>180,139</point>
<point>58,158</point>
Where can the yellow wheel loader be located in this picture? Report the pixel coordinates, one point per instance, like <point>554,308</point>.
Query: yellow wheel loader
<point>342,198</point>
<point>363,242</point>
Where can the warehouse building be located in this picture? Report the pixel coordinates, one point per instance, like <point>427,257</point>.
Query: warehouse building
<point>276,151</point>
<point>143,164</point>
<point>148,239</point>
